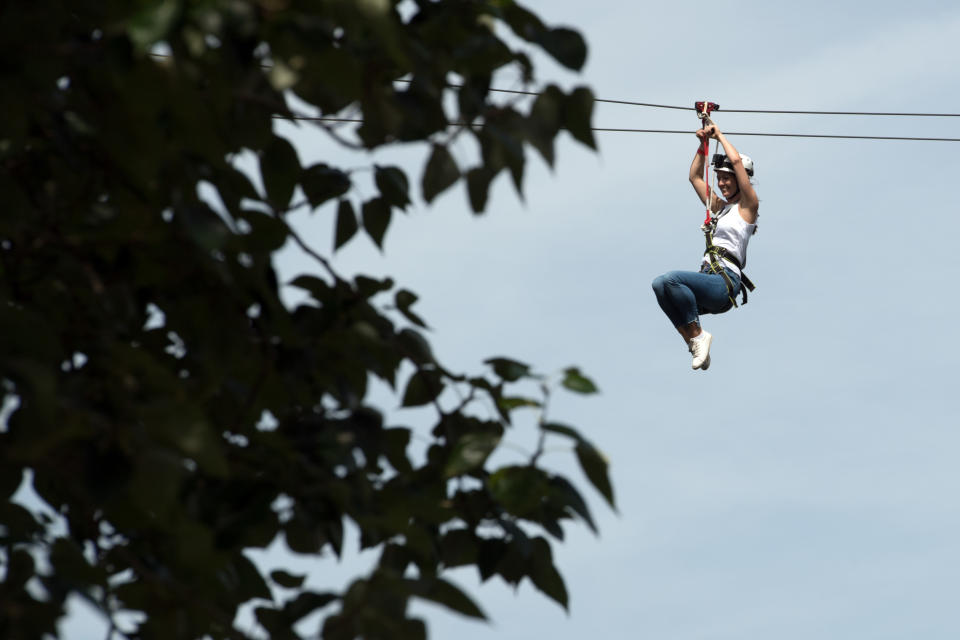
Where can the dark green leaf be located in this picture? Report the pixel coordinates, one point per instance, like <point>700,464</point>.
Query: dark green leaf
<point>478,187</point>
<point>440,173</point>
<point>509,370</point>
<point>562,429</point>
<point>519,489</point>
<point>280,169</point>
<point>234,186</point>
<point>458,548</point>
<point>576,381</point>
<point>412,629</point>
<point>415,346</point>
<point>545,120</point>
<point>509,403</point>
<point>594,465</point>
<point>523,22</point>
<point>395,448</point>
<point>579,113</point>
<point>287,580</point>
<point>266,232</point>
<point>471,452</point>
<point>369,287</point>
<point>376,219</point>
<point>346,224</point>
<point>567,495</point>
<point>566,46</point>
<point>393,185</point>
<point>318,287</point>
<point>450,596</point>
<point>305,604</point>
<point>490,556</point>
<point>544,574</point>
<point>321,182</point>
<point>405,300</point>
<point>250,582</point>
<point>424,386</point>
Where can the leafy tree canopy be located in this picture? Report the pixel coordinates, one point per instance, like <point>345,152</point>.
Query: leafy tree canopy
<point>160,396</point>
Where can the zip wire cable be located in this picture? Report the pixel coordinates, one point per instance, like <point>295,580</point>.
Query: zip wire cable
<point>671,106</point>
<point>770,111</point>
<point>786,135</point>
<point>684,132</point>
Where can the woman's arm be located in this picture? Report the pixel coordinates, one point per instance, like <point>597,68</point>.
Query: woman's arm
<point>696,176</point>
<point>696,169</point>
<point>749,202</point>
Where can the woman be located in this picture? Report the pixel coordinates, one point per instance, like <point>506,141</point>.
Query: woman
<point>684,295</point>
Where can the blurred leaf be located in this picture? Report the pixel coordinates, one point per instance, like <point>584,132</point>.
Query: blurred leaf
<point>471,452</point>
<point>405,300</point>
<point>415,346</point>
<point>567,495</point>
<point>376,218</point>
<point>395,448</point>
<point>393,185</point>
<point>450,596</point>
<point>523,22</point>
<point>519,489</point>
<point>516,402</point>
<point>509,370</point>
<point>266,232</point>
<point>369,287</point>
<point>234,186</point>
<point>306,603</point>
<point>280,169</point>
<point>565,45</point>
<point>321,182</point>
<point>545,575</point>
<point>576,381</point>
<point>423,388</point>
<point>579,114</point>
<point>317,287</point>
<point>554,427</point>
<point>347,224</point>
<point>440,173</point>
<point>478,187</point>
<point>594,465</point>
<point>458,547</point>
<point>287,580</point>
<point>250,583</point>
<point>152,24</point>
<point>546,118</point>
<point>490,556</point>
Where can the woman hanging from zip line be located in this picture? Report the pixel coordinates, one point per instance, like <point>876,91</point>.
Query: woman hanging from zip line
<point>685,295</point>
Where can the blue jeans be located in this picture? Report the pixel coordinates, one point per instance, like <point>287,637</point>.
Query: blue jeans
<point>684,295</point>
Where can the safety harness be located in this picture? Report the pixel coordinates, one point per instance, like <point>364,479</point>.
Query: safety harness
<point>713,253</point>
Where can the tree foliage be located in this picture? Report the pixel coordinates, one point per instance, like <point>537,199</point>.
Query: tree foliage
<point>158,393</point>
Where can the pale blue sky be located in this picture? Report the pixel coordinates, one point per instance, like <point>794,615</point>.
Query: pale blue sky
<point>806,486</point>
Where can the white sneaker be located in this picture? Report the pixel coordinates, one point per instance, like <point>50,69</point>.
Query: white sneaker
<point>700,348</point>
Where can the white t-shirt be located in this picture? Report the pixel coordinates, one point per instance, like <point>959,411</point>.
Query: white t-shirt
<point>733,234</point>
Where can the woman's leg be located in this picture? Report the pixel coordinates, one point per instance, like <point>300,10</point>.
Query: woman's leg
<point>683,295</point>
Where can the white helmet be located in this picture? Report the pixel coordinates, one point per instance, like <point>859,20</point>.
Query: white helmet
<point>722,163</point>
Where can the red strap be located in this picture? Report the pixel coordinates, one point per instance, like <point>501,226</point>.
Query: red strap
<point>703,111</point>
<point>706,171</point>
